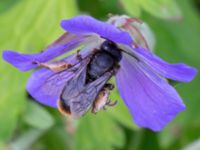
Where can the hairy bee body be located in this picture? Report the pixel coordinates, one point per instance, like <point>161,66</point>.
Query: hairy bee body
<point>91,77</point>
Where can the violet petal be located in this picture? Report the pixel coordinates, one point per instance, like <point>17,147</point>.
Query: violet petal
<point>25,62</point>
<point>180,72</point>
<point>151,101</point>
<point>88,25</point>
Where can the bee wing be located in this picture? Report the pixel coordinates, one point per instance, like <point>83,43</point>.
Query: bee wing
<point>45,86</point>
<point>77,82</point>
<point>78,96</point>
<point>88,95</point>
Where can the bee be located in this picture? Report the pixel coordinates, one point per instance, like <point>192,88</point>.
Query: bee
<point>89,87</point>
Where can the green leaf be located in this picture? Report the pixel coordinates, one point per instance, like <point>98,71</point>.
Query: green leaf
<point>25,139</point>
<point>142,140</point>
<point>100,8</point>
<point>56,139</point>
<point>98,132</point>
<point>28,27</point>
<point>37,117</point>
<point>6,4</point>
<point>132,7</point>
<point>165,9</point>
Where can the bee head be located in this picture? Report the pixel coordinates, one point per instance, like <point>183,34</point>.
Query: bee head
<point>111,48</point>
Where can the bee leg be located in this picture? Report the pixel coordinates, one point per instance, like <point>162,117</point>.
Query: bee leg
<point>109,86</point>
<point>95,50</point>
<point>110,103</point>
<point>115,69</point>
<point>55,66</point>
<point>102,98</point>
<point>78,56</point>
<point>94,111</point>
<point>100,101</point>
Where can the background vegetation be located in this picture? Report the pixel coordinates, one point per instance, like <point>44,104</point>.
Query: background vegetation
<point>30,25</point>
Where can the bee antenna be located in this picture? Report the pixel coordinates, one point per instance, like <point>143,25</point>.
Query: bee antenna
<point>130,54</point>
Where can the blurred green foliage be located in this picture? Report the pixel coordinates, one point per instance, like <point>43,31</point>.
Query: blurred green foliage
<point>30,25</point>
<point>165,9</point>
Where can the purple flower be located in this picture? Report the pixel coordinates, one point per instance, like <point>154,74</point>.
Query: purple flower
<point>141,79</point>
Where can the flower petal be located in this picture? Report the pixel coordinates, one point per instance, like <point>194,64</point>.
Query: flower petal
<point>25,62</point>
<point>180,72</point>
<point>88,25</point>
<point>150,99</point>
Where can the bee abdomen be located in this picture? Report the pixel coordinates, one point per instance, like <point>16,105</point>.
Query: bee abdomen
<point>64,108</point>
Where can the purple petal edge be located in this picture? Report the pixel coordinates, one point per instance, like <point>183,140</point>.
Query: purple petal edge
<point>180,72</point>
<point>20,61</point>
<point>25,62</point>
<point>89,25</point>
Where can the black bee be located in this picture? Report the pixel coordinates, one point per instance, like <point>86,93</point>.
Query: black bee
<point>89,87</point>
